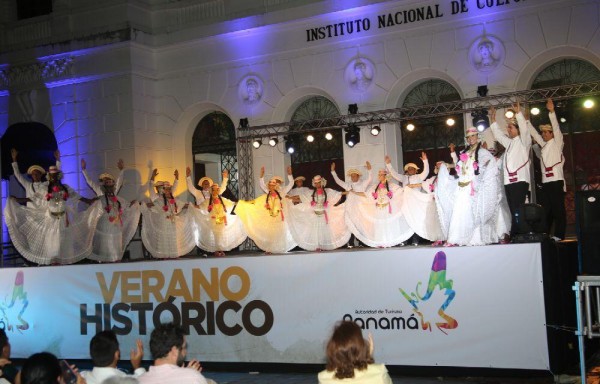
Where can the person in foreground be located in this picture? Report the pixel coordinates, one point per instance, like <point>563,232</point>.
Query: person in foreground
<point>105,354</point>
<point>44,368</point>
<point>350,358</point>
<point>169,349</point>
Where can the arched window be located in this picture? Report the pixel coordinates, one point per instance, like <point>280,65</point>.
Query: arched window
<point>431,134</point>
<point>213,147</point>
<point>317,107</point>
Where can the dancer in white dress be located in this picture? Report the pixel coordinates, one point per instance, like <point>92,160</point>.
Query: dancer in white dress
<point>316,223</point>
<point>355,189</point>
<point>168,229</point>
<point>53,231</point>
<point>119,221</point>
<point>218,229</point>
<point>36,185</point>
<point>468,204</point>
<point>266,218</point>
<point>418,207</point>
<point>429,186</point>
<point>377,219</point>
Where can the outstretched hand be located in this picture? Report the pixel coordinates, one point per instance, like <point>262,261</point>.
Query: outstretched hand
<point>452,147</point>
<point>120,164</point>
<point>137,354</point>
<point>83,165</point>
<point>289,171</point>
<point>550,105</point>
<point>262,171</point>
<point>387,159</point>
<point>423,156</point>
<point>13,154</point>
<point>188,172</point>
<point>368,165</point>
<point>332,167</point>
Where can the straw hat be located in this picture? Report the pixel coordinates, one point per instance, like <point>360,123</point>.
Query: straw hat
<point>35,168</point>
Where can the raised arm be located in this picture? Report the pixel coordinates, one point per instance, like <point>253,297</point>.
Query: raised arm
<point>535,135</point>
<point>523,130</point>
<point>290,183</point>
<point>151,191</point>
<point>338,181</point>
<point>365,184</point>
<point>15,166</point>
<point>191,187</point>
<point>57,158</point>
<point>558,136</point>
<point>423,175</point>
<point>223,187</point>
<point>261,181</point>
<point>175,182</point>
<point>119,182</point>
<point>95,186</point>
<point>392,171</point>
<point>498,134</point>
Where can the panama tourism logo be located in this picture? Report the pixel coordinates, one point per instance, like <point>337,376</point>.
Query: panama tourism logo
<point>13,307</point>
<point>437,287</point>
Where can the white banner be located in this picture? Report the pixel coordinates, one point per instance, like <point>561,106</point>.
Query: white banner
<point>463,306</point>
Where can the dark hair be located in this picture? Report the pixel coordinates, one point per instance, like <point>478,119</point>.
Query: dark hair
<point>41,368</point>
<point>164,338</point>
<point>269,194</point>
<point>103,347</point>
<point>476,155</point>
<point>315,191</point>
<point>347,350</point>
<point>3,339</point>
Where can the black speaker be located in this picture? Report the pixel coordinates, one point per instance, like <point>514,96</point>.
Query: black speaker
<point>587,212</point>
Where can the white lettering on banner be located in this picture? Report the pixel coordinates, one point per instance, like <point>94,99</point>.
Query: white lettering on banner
<point>281,308</point>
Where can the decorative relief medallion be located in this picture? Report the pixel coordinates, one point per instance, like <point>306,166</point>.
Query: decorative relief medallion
<point>359,74</point>
<point>486,54</point>
<point>250,89</point>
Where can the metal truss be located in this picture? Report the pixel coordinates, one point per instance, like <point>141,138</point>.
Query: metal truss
<point>423,111</point>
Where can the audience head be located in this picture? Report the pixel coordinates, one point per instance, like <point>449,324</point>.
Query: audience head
<point>104,349</point>
<point>167,342</point>
<point>347,350</point>
<point>4,345</point>
<point>41,368</point>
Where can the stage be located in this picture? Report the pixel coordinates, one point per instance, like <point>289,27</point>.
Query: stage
<point>490,307</point>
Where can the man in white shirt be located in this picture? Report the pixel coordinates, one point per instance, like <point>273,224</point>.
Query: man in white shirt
<point>169,349</point>
<point>517,142</point>
<point>105,354</point>
<point>552,196</point>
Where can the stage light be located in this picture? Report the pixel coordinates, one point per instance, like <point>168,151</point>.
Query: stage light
<point>410,127</point>
<point>310,138</point>
<point>328,136</point>
<point>535,111</point>
<point>375,130</point>
<point>480,120</point>
<point>290,144</point>
<point>482,91</point>
<point>530,226</point>
<point>352,136</point>
<point>588,104</point>
<point>353,109</point>
<point>273,141</point>
<point>509,114</point>
<point>257,143</point>
<point>450,122</point>
<point>563,120</point>
<point>244,122</point>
